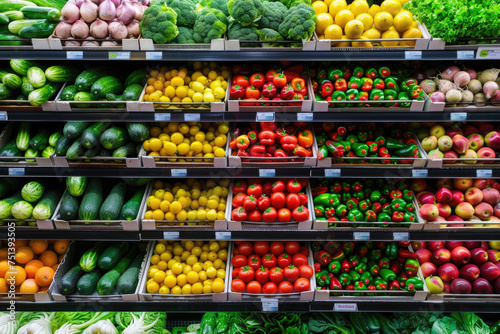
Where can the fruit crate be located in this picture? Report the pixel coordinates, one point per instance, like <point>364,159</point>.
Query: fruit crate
<point>205,297</point>
<point>147,44</point>
<point>420,43</point>
<point>151,224</point>
<point>95,225</point>
<point>286,45</point>
<point>304,296</point>
<point>93,106</point>
<point>249,225</point>
<point>460,106</point>
<point>56,43</point>
<point>487,226</point>
<point>71,258</point>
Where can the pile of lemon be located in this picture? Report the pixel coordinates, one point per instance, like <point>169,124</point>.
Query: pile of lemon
<point>192,139</point>
<point>337,20</point>
<point>195,202</point>
<point>200,82</point>
<point>187,267</point>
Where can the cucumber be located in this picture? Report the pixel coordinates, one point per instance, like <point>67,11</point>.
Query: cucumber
<point>36,77</point>
<point>136,182</point>
<point>131,93</point>
<point>61,73</point>
<point>26,87</point>
<point>112,255</point>
<point>3,73</point>
<point>67,286</point>
<point>68,210</point>
<point>138,132</point>
<point>10,150</point>
<point>86,79</point>
<point>8,203</point>
<point>8,39</point>
<point>23,136</point>
<point>59,4</point>
<point>7,184</point>
<point>138,77</point>
<point>113,138</point>
<point>75,150</point>
<point>35,12</point>
<point>5,92</point>
<point>16,26</point>
<point>30,153</point>
<point>41,140</point>
<point>48,152</point>
<point>92,201</point>
<point>14,15</point>
<point>90,137</point>
<point>83,96</point>
<point>62,146</point>
<point>54,138</point>
<point>4,19</point>
<point>41,95</point>
<point>21,66</point>
<point>88,282</point>
<point>76,185</point>
<point>73,130</point>
<point>131,209</point>
<point>6,5</point>
<point>124,151</point>
<point>105,153</point>
<point>91,152</point>
<point>68,93</point>
<point>106,85</point>
<point>110,209</point>
<point>107,283</point>
<point>47,205</point>
<point>38,29</point>
<point>127,283</point>
<point>88,261</point>
<point>13,81</point>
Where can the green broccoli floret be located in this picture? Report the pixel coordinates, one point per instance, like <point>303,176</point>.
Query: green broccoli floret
<point>185,36</point>
<point>217,4</point>
<point>299,23</point>
<point>270,35</point>
<point>237,31</point>
<point>274,13</point>
<point>159,23</point>
<point>210,24</point>
<point>245,11</point>
<point>292,3</point>
<point>186,11</point>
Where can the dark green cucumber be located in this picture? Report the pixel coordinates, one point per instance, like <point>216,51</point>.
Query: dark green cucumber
<point>41,140</point>
<point>138,77</point>
<point>110,209</point>
<point>68,93</point>
<point>5,92</point>
<point>11,150</point>
<point>90,137</point>
<point>124,151</point>
<point>67,286</point>
<point>131,93</point>
<point>75,150</point>
<point>26,87</point>
<point>74,130</point>
<point>113,138</point>
<point>106,85</point>
<point>105,152</point>
<point>84,96</point>
<point>86,79</point>
<point>62,145</point>
<point>35,12</point>
<point>13,81</point>
<point>69,207</point>
<point>88,282</point>
<point>88,261</point>
<point>107,283</point>
<point>91,152</point>
<point>131,208</point>
<point>92,200</point>
<point>112,255</point>
<point>138,132</point>
<point>127,283</point>
<point>38,30</point>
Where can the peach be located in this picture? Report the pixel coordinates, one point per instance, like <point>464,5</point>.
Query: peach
<point>429,211</point>
<point>474,195</point>
<point>462,184</point>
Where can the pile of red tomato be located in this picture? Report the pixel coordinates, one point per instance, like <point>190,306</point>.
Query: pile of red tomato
<point>270,268</point>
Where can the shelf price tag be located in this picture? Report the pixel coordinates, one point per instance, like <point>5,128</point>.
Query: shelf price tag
<point>458,116</point>
<point>400,236</point>
<point>16,171</point>
<point>305,116</point>
<point>171,235</point>
<point>487,52</point>
<point>267,172</point>
<point>419,172</point>
<point>157,55</point>
<point>74,54</point>
<point>3,115</point>
<point>465,54</point>
<point>269,305</point>
<point>345,307</point>
<point>222,235</point>
<point>484,173</point>
<point>119,55</point>
<point>265,117</point>
<point>413,55</point>
<point>361,236</point>
<point>192,117</point>
<point>333,172</point>
<point>162,117</point>
<point>178,172</point>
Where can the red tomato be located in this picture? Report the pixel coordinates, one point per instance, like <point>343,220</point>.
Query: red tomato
<point>270,215</point>
<point>239,187</point>
<point>261,248</point>
<point>277,248</point>
<point>263,203</point>
<point>303,198</point>
<point>236,271</point>
<point>304,250</point>
<point>270,288</point>
<point>250,203</point>
<point>284,215</point>
<point>239,214</point>
<point>270,75</point>
<point>299,260</point>
<point>292,247</point>
<point>291,273</point>
<point>238,200</point>
<point>254,261</point>
<point>284,260</point>
<point>292,201</point>
<point>302,284</point>
<point>255,216</point>
<point>306,271</point>
<point>255,190</point>
<point>237,285</point>
<point>276,275</point>
<point>279,186</point>
<point>242,81</point>
<point>278,200</point>
<point>293,186</point>
<point>246,248</point>
<point>269,261</point>
<point>239,261</point>
<point>246,274</point>
<point>303,182</point>
<point>252,92</point>
<point>267,189</point>
<point>262,275</point>
<point>285,287</point>
<point>299,214</point>
<point>258,80</point>
<point>254,287</point>
<point>235,251</point>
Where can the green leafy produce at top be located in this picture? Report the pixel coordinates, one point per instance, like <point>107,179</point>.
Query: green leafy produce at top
<point>217,4</point>
<point>248,33</point>
<point>210,24</point>
<point>270,35</point>
<point>292,3</point>
<point>159,23</point>
<point>185,36</point>
<point>186,11</point>
<point>299,23</point>
<point>245,12</point>
<point>274,13</point>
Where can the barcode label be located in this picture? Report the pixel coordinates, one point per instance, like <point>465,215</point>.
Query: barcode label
<point>178,172</point>
<point>16,171</point>
<point>344,307</point>
<point>465,54</point>
<point>332,172</point>
<point>119,55</point>
<point>419,172</point>
<point>484,173</point>
<point>361,235</point>
<point>265,116</point>
<point>413,55</point>
<point>192,117</point>
<point>267,172</point>
<point>162,117</point>
<point>170,235</point>
<point>222,235</point>
<point>400,236</point>
<point>305,116</point>
<point>270,305</point>
<point>458,116</point>
<point>74,54</point>
<point>154,55</point>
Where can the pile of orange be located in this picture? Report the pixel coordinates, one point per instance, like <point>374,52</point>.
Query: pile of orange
<point>36,262</point>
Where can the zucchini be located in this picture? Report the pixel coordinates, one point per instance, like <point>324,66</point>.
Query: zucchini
<point>76,185</point>
<point>75,150</point>
<point>90,137</point>
<point>30,153</point>
<point>131,209</point>
<point>138,77</point>
<point>7,5</point>
<point>48,152</point>
<point>68,210</point>
<point>113,138</point>
<point>47,205</point>
<point>7,184</point>
<point>88,282</point>
<point>131,93</point>
<point>41,140</point>
<point>62,146</point>
<point>38,30</point>
<point>16,26</point>
<point>5,92</point>
<point>8,39</point>
<point>36,77</point>
<point>124,151</point>
<point>73,130</point>
<point>91,152</point>
<point>10,150</point>
<point>107,283</point>
<point>7,204</point>
<point>26,87</point>
<point>41,95</point>
<point>110,209</point>
<point>92,200</point>
<point>106,85</point>
<point>4,19</point>
<point>127,283</point>
<point>85,79</point>
<point>21,66</point>
<point>13,81</point>
<point>88,261</point>
<point>112,255</point>
<point>61,73</point>
<point>14,15</point>
<point>68,93</point>
<point>136,182</point>
<point>54,138</point>
<point>23,136</point>
<point>83,96</point>
<point>35,12</point>
<point>105,153</point>
<point>67,286</point>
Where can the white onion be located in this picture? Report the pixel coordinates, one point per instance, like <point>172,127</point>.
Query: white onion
<point>453,96</point>
<point>445,86</point>
<point>117,30</point>
<point>89,11</point>
<point>63,30</point>
<point>80,29</point>
<point>107,10</point>
<point>467,96</point>
<point>125,12</point>
<point>475,86</point>
<point>489,75</point>
<point>70,12</point>
<point>490,89</point>
<point>479,99</point>
<point>99,29</point>
<point>461,78</point>
<point>449,72</point>
<point>437,97</point>
<point>428,86</point>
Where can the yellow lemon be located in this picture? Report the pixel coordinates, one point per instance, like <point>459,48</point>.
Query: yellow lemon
<point>411,33</point>
<point>324,20</point>
<point>333,31</point>
<point>359,7</point>
<point>374,9</point>
<point>344,44</point>
<point>366,19</point>
<point>183,148</point>
<point>177,138</point>
<point>354,29</point>
<point>371,34</point>
<point>383,21</point>
<point>389,34</point>
<point>153,287</point>
<point>197,288</point>
<point>362,44</point>
<point>329,2</point>
<point>343,17</point>
<point>403,21</point>
<point>319,7</point>
<point>336,6</point>
<point>175,207</point>
<point>176,290</point>
<point>391,6</point>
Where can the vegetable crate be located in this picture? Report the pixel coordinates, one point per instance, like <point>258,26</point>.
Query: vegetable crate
<point>420,43</point>
<point>9,134</point>
<point>95,106</point>
<point>487,226</point>
<point>85,225</point>
<point>436,43</point>
<point>147,44</point>
<point>472,297</point>
<point>234,225</point>
<point>237,45</point>
<point>97,162</point>
<point>460,106</point>
<point>304,296</point>
<point>157,297</point>
<point>56,43</point>
<point>71,258</point>
<point>12,105</point>
<point>152,224</point>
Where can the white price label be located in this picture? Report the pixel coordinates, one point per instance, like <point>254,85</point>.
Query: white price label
<point>267,172</point>
<point>419,172</point>
<point>413,55</point>
<point>484,173</point>
<point>171,235</point>
<point>270,305</point>
<point>3,115</point>
<point>16,171</point>
<point>332,172</point>
<point>178,172</point>
<point>74,54</point>
<point>465,54</point>
<point>222,235</point>
<point>458,116</point>
<point>265,117</point>
<point>361,235</point>
<point>488,53</point>
<point>119,55</point>
<point>192,117</point>
<point>162,117</point>
<point>345,307</point>
<point>400,236</point>
<point>154,55</point>
<point>305,116</point>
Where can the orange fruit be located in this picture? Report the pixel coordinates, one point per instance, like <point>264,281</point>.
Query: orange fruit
<point>61,246</point>
<point>44,276</point>
<point>17,273</point>
<point>4,252</point>
<point>24,255</point>
<point>158,85</point>
<point>31,268</point>
<point>20,243</point>
<point>43,289</point>
<point>4,267</point>
<point>38,246</point>
<point>49,258</point>
<point>29,286</point>
<point>54,267</point>
<point>60,258</point>
<point>4,287</point>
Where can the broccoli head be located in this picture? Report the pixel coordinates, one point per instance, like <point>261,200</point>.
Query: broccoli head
<point>245,11</point>
<point>159,23</point>
<point>210,24</point>
<point>270,35</point>
<point>185,36</point>
<point>299,23</point>
<point>292,3</point>
<point>217,4</point>
<point>274,13</point>
<point>186,11</point>
<point>237,31</point>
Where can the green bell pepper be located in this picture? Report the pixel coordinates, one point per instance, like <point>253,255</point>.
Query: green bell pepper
<point>322,278</point>
<point>387,274</point>
<point>377,94</point>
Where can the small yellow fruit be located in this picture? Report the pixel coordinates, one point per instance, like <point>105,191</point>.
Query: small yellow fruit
<point>344,44</point>
<point>319,7</point>
<point>403,21</point>
<point>362,44</point>
<point>389,34</point>
<point>359,7</point>
<point>336,6</point>
<point>411,33</point>
<point>333,31</point>
<point>324,20</point>
<point>391,6</point>
<point>374,9</point>
<point>354,29</point>
<point>372,34</point>
<point>383,21</point>
<point>366,19</point>
<point>343,17</point>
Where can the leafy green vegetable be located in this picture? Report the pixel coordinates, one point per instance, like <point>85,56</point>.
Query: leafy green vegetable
<point>159,23</point>
<point>299,23</point>
<point>124,319</point>
<point>471,323</point>
<point>210,24</point>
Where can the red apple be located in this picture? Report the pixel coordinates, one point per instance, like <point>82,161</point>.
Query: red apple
<point>429,211</point>
<point>426,197</point>
<point>458,197</point>
<point>482,286</point>
<point>441,256</point>
<point>489,271</point>
<point>423,255</point>
<point>460,286</point>
<point>416,245</point>
<point>470,272</point>
<point>493,255</point>
<point>418,185</point>
<point>460,256</point>
<point>491,196</point>
<point>472,244</point>
<point>478,256</point>
<point>448,272</point>
<point>485,245</point>
<point>444,210</point>
<point>496,285</point>
<point>480,183</point>
<point>444,196</point>
<point>428,269</point>
<point>462,184</point>
<point>444,183</point>
<point>474,195</point>
<point>451,245</point>
<point>434,245</point>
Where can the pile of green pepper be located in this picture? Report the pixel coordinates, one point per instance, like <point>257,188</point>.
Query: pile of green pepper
<point>367,85</point>
<point>382,141</point>
<point>367,266</point>
<point>363,200</point>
